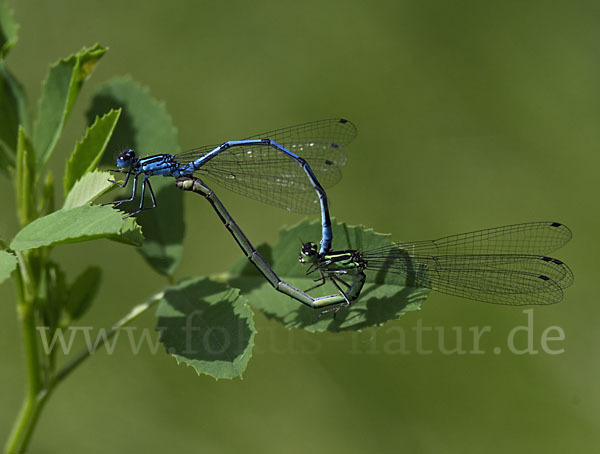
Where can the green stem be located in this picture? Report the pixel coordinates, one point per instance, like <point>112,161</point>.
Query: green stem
<point>37,396</point>
<point>29,410</point>
<point>26,422</point>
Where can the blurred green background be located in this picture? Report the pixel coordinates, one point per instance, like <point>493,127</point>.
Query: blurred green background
<point>470,115</point>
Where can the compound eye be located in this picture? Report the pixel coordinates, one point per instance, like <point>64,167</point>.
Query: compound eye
<point>125,158</point>
<point>309,249</point>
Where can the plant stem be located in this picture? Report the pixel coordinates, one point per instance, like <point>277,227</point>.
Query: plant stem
<point>36,394</point>
<point>29,410</point>
<point>26,422</point>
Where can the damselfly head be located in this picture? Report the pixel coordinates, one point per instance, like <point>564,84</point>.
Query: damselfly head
<point>125,158</point>
<point>308,253</point>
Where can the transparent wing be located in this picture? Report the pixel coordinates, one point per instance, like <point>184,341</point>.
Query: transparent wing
<point>496,265</point>
<point>337,131</point>
<point>527,238</point>
<point>263,173</point>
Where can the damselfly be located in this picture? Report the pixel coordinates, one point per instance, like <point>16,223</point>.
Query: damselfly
<point>197,186</point>
<point>501,265</point>
<point>287,167</point>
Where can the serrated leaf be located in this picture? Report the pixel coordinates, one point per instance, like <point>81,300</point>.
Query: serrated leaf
<point>208,326</point>
<point>8,29</point>
<point>146,126</point>
<point>59,92</point>
<point>26,177</point>
<point>384,297</point>
<point>82,292</point>
<point>78,224</point>
<point>130,233</point>
<point>88,188</point>
<point>90,149</point>
<point>13,112</point>
<point>8,263</point>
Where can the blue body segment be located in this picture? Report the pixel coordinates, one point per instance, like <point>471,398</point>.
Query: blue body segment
<point>259,167</point>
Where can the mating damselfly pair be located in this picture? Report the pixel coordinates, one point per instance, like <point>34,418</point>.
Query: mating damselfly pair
<point>290,168</point>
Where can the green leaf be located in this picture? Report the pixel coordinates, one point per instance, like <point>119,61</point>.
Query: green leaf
<point>14,112</point>
<point>13,105</point>
<point>6,163</point>
<point>46,205</point>
<point>208,326</point>
<point>90,149</point>
<point>83,223</point>
<point>384,297</point>
<point>59,92</point>
<point>82,292</point>
<point>8,29</point>
<point>56,294</point>
<point>164,228</point>
<point>8,263</point>
<point>146,126</point>
<point>88,188</point>
<point>25,180</point>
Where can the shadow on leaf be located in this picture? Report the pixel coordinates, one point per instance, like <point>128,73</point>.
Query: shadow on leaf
<point>202,323</point>
<point>370,310</point>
